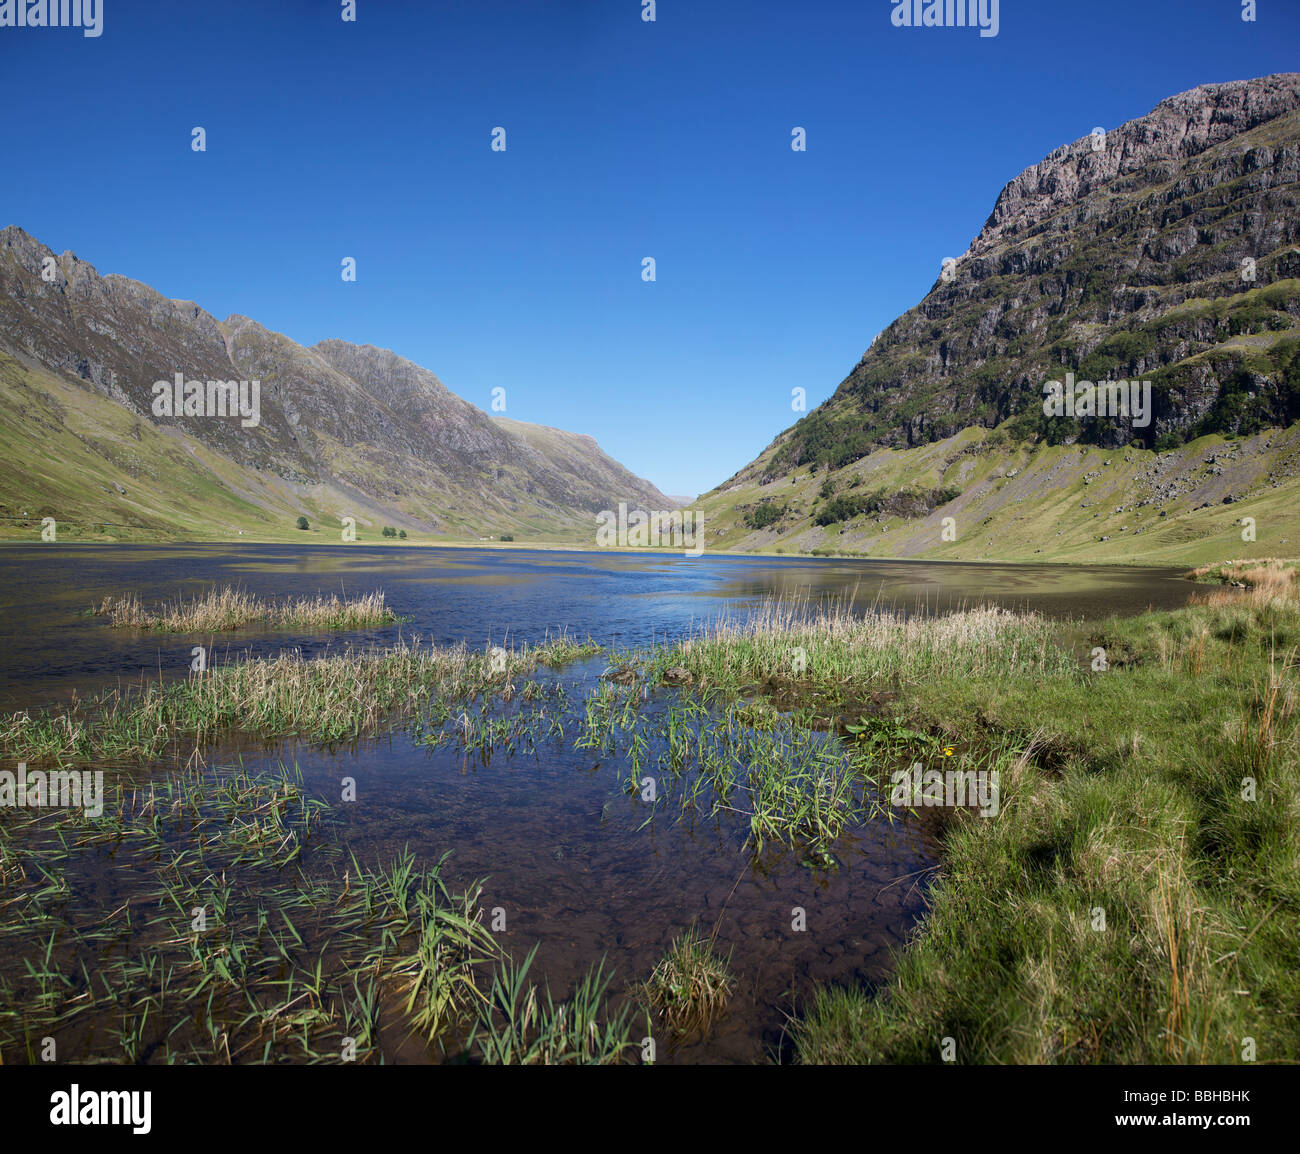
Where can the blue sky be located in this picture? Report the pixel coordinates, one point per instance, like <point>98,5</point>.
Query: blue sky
<point>624,139</point>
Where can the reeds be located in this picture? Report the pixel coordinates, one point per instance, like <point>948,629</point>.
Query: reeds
<point>442,969</point>
<point>325,699</point>
<point>520,1026</point>
<point>221,949</point>
<point>224,609</point>
<point>799,644</point>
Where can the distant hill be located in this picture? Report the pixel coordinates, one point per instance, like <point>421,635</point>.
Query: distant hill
<point>591,474</point>
<point>343,430</point>
<point>1166,250</point>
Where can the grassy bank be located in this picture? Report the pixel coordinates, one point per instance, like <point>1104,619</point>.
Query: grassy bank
<point>1137,899</point>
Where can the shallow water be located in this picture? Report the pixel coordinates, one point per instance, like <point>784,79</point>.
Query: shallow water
<point>565,856</point>
<point>563,845</point>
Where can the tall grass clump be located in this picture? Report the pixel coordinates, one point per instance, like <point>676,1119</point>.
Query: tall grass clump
<point>223,609</point>
<point>690,985</point>
<point>832,645</point>
<point>441,971</point>
<point>520,1026</point>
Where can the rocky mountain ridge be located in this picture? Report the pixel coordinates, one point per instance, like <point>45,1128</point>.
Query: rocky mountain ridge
<point>1117,257</point>
<point>342,428</point>
<point>1166,250</point>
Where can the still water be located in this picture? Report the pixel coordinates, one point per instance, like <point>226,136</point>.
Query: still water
<point>49,646</point>
<point>563,846</point>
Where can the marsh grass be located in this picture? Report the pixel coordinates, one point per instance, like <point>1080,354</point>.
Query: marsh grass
<point>223,609</point>
<point>792,785</point>
<point>831,648</point>
<point>325,699</point>
<point>1277,572</point>
<point>201,956</point>
<point>451,946</point>
<point>518,1025</point>
<point>222,948</point>
<point>690,986</point>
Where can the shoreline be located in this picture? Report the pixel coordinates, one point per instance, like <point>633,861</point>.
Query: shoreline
<point>570,547</point>
<point>1142,850</point>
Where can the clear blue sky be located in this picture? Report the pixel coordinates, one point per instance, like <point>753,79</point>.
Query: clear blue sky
<point>625,139</point>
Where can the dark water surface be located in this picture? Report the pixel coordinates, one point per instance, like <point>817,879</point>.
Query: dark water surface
<point>565,848</point>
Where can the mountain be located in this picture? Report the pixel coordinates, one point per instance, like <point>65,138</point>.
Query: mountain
<point>341,429</point>
<point>589,472</point>
<point>1165,251</point>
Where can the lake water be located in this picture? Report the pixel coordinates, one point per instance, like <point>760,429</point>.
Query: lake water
<point>565,848</point>
<point>48,646</point>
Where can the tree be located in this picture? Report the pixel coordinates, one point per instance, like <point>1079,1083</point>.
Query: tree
<point>302,523</point>
<point>389,531</point>
<point>767,513</point>
<point>507,536</point>
<point>402,534</point>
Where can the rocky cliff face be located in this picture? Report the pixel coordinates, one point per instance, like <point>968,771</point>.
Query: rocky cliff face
<point>1175,131</point>
<point>345,422</point>
<point>1166,249</point>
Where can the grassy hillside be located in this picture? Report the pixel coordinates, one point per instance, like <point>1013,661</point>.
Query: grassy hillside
<point>105,474</point>
<point>341,430</point>
<point>1039,502</point>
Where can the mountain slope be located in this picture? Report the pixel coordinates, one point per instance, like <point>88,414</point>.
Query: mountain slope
<point>343,430</point>
<point>591,472</point>
<point>1167,251</point>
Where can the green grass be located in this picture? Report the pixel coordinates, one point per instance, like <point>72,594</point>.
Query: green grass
<point>1130,802</point>
<point>690,986</point>
<point>518,1025</point>
<point>829,653</point>
<point>323,699</point>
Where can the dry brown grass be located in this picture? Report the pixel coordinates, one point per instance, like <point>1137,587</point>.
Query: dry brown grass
<point>219,610</point>
<point>1261,735</point>
<point>1257,582</point>
<point>1178,930</point>
<point>1273,572</point>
